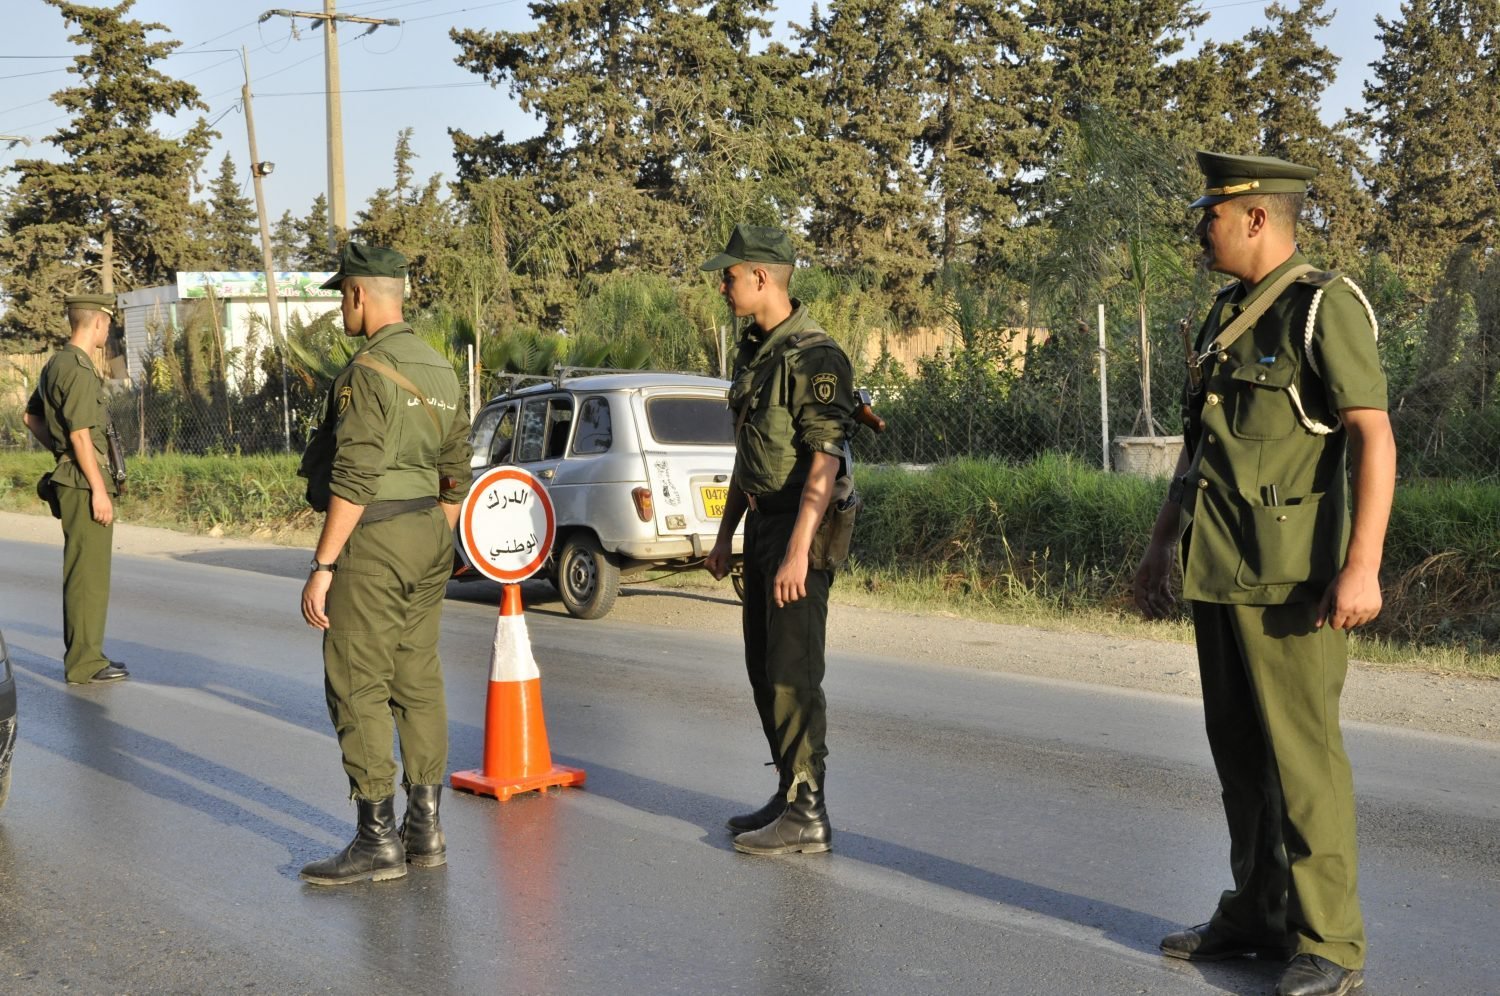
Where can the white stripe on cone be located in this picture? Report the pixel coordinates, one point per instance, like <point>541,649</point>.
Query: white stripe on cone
<point>510,659</point>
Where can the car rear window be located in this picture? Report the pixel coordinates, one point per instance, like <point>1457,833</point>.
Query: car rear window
<point>694,421</point>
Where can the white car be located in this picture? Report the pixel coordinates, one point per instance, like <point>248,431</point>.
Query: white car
<point>637,466</point>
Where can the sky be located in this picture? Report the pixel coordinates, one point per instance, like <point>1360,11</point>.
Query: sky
<point>405,76</point>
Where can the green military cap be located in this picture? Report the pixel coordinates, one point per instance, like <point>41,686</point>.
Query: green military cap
<point>754,244</point>
<point>1232,176</point>
<point>92,302</point>
<point>367,261</point>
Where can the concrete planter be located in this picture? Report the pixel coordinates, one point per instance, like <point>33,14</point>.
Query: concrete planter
<point>1145,456</point>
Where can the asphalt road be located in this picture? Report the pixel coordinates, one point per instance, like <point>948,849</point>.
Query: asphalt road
<point>994,834</point>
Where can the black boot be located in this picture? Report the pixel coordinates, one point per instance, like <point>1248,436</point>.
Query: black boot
<point>421,833</point>
<point>763,816</point>
<point>803,827</point>
<point>374,853</point>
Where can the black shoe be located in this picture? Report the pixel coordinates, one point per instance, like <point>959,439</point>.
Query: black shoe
<point>803,827</point>
<point>745,822</point>
<point>112,671</point>
<point>1314,975</point>
<point>421,833</point>
<point>1203,943</point>
<point>374,853</point>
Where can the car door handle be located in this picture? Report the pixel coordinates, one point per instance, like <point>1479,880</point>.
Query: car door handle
<point>547,474</point>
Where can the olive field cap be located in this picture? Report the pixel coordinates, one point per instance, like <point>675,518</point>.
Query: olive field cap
<point>1234,176</point>
<point>91,302</point>
<point>367,261</point>
<point>754,244</point>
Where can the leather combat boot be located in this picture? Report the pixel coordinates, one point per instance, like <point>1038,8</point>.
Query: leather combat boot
<point>421,833</point>
<point>763,816</point>
<point>802,827</point>
<point>374,853</point>
<point>1314,975</point>
<point>1205,943</point>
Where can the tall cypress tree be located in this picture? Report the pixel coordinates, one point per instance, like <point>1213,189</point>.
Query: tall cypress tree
<point>113,213</point>
<point>1433,114</point>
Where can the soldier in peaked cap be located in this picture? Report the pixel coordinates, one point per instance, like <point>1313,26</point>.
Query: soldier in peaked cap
<point>793,403</point>
<point>389,464</point>
<point>1284,390</point>
<point>68,414</point>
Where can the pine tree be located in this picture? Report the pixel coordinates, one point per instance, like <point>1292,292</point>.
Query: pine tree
<point>417,223</point>
<point>867,206</point>
<point>113,213</point>
<point>1432,110</point>
<point>225,230</point>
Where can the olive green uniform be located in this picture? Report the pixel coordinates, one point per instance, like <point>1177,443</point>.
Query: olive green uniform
<point>792,397</point>
<point>380,651</point>
<point>70,396</point>
<point>1265,516</point>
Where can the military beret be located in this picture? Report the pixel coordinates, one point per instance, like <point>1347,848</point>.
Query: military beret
<point>1234,176</point>
<point>754,244</point>
<point>92,302</point>
<point>367,261</point>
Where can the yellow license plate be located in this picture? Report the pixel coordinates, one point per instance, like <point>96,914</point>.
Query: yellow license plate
<point>714,500</point>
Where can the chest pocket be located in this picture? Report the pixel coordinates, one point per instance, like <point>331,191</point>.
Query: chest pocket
<point>1262,407</point>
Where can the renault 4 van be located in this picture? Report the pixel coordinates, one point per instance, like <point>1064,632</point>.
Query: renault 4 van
<point>637,466</point>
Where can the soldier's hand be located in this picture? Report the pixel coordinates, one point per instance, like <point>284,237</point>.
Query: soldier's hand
<point>1152,584</point>
<point>1353,599</point>
<point>100,506</point>
<point>791,579</point>
<point>315,597</point>
<point>717,561</point>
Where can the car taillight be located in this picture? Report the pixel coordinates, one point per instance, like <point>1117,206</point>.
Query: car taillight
<point>643,504</point>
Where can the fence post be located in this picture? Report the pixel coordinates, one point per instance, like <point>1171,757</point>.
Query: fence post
<point>1103,395</point>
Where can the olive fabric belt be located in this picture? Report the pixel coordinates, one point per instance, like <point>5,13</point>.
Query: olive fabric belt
<point>379,511</point>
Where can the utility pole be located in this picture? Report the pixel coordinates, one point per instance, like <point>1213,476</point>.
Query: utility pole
<point>258,170</point>
<point>338,215</point>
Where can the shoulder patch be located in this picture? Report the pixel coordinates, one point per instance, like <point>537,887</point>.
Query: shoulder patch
<point>345,393</point>
<point>824,386</point>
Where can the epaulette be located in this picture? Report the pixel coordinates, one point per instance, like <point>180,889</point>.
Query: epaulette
<point>1318,278</point>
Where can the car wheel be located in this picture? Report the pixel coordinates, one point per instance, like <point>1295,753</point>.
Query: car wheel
<point>737,578</point>
<point>7,748</point>
<point>586,578</point>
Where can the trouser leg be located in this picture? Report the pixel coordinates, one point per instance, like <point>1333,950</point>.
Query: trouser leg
<point>793,660</point>
<point>1256,905</point>
<point>754,623</point>
<point>367,619</point>
<point>88,549</point>
<point>418,702</point>
<point>1298,673</point>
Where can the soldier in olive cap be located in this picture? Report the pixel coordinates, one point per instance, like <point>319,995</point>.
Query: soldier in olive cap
<point>68,415</point>
<point>1284,387</point>
<point>793,404</point>
<point>390,465</point>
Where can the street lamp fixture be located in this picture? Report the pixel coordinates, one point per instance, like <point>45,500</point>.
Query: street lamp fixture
<point>262,169</point>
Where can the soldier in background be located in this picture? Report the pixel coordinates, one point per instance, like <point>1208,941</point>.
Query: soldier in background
<point>792,401</point>
<point>1285,403</point>
<point>68,414</point>
<point>390,466</point>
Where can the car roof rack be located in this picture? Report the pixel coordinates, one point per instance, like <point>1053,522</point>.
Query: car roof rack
<point>561,373</point>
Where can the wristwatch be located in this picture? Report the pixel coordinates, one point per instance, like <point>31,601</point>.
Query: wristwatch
<point>316,567</point>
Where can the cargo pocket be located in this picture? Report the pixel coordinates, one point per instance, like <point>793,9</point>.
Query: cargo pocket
<point>1262,408</point>
<point>766,458</point>
<point>1284,545</point>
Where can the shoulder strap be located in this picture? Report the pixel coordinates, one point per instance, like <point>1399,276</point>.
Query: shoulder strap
<point>1251,315</point>
<point>402,381</point>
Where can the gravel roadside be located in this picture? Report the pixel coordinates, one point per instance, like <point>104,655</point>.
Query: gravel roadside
<point>1451,705</point>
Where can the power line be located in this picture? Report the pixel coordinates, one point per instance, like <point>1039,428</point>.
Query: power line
<point>378,89</point>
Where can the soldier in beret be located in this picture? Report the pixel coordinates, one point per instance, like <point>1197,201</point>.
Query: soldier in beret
<point>1285,407</point>
<point>67,414</point>
<point>793,403</point>
<point>389,464</point>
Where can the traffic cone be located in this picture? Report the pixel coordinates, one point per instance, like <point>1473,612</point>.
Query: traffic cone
<point>516,755</point>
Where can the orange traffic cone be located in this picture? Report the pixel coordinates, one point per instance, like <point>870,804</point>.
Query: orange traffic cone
<point>516,755</point>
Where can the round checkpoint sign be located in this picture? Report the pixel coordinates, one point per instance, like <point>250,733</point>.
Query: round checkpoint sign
<point>506,524</point>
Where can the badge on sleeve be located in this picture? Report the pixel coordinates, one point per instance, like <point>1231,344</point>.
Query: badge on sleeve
<point>345,393</point>
<point>823,387</point>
